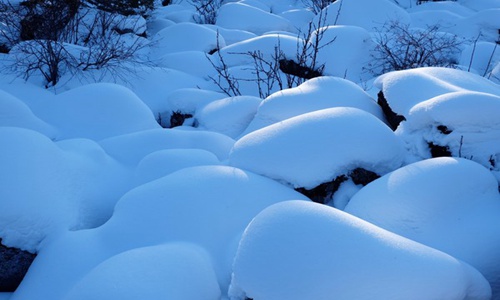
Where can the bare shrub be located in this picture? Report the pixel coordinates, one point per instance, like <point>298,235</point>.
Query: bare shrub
<point>89,40</point>
<point>207,10</point>
<point>277,71</point>
<point>317,5</point>
<point>399,47</point>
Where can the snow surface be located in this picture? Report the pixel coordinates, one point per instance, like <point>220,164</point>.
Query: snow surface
<point>405,89</point>
<point>117,206</point>
<point>315,94</point>
<point>450,204</point>
<point>174,271</point>
<point>248,16</point>
<point>317,147</point>
<point>464,115</point>
<point>299,250</point>
<point>208,206</point>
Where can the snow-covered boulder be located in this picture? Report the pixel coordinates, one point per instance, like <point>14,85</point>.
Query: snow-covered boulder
<point>229,116</point>
<point>14,113</point>
<point>208,206</point>
<point>237,54</point>
<point>49,187</point>
<point>297,250</point>
<point>132,148</point>
<point>242,16</point>
<point>314,94</point>
<point>174,39</point>
<point>450,204</point>
<point>343,50</point>
<point>173,271</point>
<point>163,162</point>
<point>404,89</point>
<point>481,57</point>
<point>367,14</point>
<point>194,63</point>
<point>460,124</point>
<point>318,147</point>
<point>97,111</point>
<point>190,100</point>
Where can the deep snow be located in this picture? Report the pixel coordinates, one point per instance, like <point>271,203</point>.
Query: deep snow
<point>119,207</point>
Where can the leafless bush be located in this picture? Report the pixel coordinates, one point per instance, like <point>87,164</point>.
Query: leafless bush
<point>317,5</point>
<point>90,40</point>
<point>207,10</point>
<point>277,71</point>
<point>399,47</point>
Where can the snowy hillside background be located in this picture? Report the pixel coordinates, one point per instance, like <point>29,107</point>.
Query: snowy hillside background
<point>171,181</point>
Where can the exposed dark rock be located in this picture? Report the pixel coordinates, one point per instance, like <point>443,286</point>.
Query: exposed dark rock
<point>362,176</point>
<point>439,151</point>
<point>14,263</point>
<point>4,49</point>
<point>166,2</point>
<point>444,130</point>
<point>392,118</point>
<point>289,66</point>
<point>213,51</point>
<point>177,118</point>
<point>492,162</point>
<point>324,191</point>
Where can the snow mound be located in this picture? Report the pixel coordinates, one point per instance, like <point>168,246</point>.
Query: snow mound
<point>164,162</point>
<point>132,148</point>
<point>14,113</point>
<point>176,12</point>
<point>194,63</point>
<point>190,100</point>
<point>232,36</point>
<point>208,206</point>
<point>314,94</point>
<point>237,54</point>
<point>229,116</point>
<point>450,204</point>
<point>52,187</point>
<point>298,250</point>
<point>456,121</point>
<point>404,89</point>
<point>481,57</point>
<point>173,39</point>
<point>242,16</point>
<point>316,147</point>
<point>367,14</point>
<point>344,51</point>
<point>97,111</point>
<point>171,271</point>
<point>300,18</point>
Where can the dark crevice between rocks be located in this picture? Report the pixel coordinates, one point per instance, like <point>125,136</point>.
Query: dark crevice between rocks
<point>439,151</point>
<point>392,118</point>
<point>4,49</point>
<point>14,263</point>
<point>363,176</point>
<point>289,66</point>
<point>325,191</point>
<point>444,130</point>
<point>177,118</point>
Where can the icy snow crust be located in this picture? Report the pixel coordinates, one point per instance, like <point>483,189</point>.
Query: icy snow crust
<point>117,206</point>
